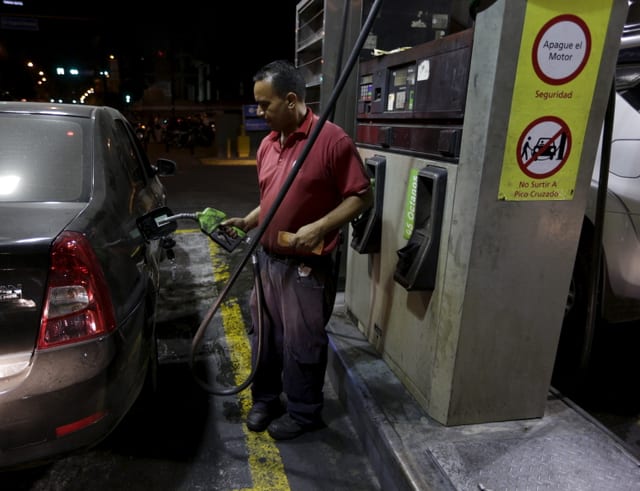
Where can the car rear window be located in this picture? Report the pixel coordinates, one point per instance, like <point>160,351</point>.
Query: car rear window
<point>41,158</point>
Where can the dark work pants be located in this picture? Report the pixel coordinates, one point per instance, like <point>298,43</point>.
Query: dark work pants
<point>298,301</point>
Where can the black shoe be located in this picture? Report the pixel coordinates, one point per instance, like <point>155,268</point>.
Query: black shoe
<point>286,428</point>
<point>259,417</point>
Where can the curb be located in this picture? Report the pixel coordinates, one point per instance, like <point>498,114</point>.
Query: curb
<point>396,466</point>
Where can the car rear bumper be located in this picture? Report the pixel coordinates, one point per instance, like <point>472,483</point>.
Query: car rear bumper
<point>68,399</point>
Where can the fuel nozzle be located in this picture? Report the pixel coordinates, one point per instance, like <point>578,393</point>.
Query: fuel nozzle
<point>160,222</point>
<point>210,221</point>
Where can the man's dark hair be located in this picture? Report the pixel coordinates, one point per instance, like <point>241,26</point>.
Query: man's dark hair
<point>284,77</point>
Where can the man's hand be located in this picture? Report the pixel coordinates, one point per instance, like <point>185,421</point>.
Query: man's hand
<point>245,224</point>
<point>228,226</point>
<point>288,239</point>
<point>308,238</point>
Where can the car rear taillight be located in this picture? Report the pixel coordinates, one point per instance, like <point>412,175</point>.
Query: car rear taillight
<point>77,304</point>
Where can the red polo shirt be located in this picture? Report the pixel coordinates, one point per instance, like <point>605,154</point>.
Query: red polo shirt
<point>332,171</point>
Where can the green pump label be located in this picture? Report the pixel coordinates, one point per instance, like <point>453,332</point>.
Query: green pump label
<point>410,204</point>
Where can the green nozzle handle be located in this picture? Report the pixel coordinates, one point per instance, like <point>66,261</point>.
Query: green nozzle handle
<point>210,219</point>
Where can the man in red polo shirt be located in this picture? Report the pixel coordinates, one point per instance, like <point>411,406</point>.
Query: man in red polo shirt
<point>296,266</point>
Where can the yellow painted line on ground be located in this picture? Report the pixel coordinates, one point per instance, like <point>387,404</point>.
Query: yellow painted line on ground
<point>219,161</point>
<point>265,462</point>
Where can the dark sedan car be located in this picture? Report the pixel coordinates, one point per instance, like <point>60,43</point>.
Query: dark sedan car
<point>78,282</point>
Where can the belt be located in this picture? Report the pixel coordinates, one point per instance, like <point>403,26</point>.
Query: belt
<point>292,259</point>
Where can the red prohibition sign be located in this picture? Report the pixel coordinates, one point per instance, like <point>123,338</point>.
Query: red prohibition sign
<point>561,49</point>
<point>544,147</point>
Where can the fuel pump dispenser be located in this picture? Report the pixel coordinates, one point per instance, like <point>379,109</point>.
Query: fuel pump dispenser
<point>481,145</point>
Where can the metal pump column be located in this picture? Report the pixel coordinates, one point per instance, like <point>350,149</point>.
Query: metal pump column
<point>479,346</point>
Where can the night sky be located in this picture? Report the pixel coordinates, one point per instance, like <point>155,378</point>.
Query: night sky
<point>234,37</point>
<point>230,25</point>
<point>226,30</point>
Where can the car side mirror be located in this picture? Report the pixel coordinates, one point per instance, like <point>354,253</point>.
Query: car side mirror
<point>156,223</point>
<point>165,167</point>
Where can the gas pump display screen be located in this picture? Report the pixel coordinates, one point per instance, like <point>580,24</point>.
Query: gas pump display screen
<point>402,83</point>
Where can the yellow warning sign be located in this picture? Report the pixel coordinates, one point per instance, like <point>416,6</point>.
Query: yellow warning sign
<point>558,64</point>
